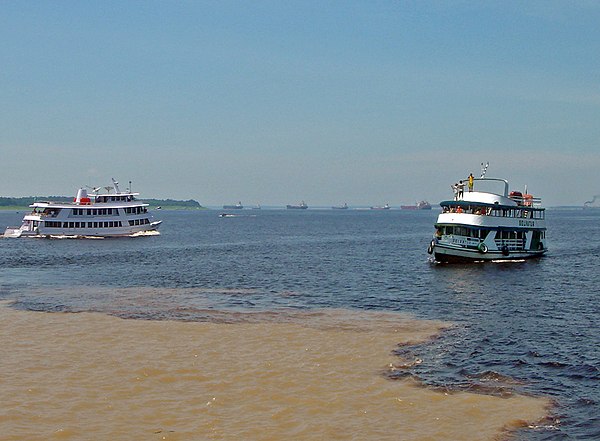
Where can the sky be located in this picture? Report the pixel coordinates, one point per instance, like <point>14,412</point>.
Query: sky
<point>274,102</point>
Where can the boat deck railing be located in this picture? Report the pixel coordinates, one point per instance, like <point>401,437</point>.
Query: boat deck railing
<point>511,244</point>
<point>516,212</point>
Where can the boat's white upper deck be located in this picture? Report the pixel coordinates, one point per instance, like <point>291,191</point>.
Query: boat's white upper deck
<point>487,198</point>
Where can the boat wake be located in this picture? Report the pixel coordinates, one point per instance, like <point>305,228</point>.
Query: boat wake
<point>509,261</point>
<point>80,236</point>
<point>73,237</point>
<point>145,233</point>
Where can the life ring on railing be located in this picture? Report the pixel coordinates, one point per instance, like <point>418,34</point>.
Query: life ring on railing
<point>505,250</point>
<point>430,247</point>
<point>482,248</point>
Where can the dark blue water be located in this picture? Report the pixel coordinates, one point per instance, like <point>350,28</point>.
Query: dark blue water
<point>528,327</point>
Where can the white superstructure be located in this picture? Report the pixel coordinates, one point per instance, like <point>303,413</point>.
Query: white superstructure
<point>484,225</point>
<point>111,214</point>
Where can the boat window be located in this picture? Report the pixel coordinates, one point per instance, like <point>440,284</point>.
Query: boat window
<point>510,235</point>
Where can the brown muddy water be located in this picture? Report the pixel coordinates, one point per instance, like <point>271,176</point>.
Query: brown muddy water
<point>319,375</point>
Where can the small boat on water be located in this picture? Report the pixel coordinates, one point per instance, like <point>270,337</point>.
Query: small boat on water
<point>110,214</point>
<point>385,207</point>
<point>301,206</point>
<point>422,205</point>
<point>485,225</point>
<point>340,207</point>
<point>237,206</point>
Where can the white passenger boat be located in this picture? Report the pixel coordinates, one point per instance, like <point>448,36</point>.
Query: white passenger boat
<point>109,214</point>
<point>481,225</point>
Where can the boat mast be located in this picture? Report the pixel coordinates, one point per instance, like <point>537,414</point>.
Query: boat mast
<point>484,168</point>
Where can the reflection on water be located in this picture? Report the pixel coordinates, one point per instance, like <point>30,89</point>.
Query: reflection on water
<point>252,376</point>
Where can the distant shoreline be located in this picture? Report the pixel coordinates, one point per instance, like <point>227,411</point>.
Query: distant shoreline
<point>23,203</point>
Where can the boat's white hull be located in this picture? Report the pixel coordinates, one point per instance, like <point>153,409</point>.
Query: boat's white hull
<point>14,233</point>
<point>82,232</point>
<point>450,254</point>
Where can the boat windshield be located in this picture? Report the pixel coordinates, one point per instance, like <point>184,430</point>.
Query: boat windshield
<point>491,185</point>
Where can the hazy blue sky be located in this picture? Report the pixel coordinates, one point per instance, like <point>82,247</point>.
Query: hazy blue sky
<point>273,102</point>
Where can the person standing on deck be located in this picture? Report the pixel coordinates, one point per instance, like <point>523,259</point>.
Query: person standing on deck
<point>471,178</point>
<point>455,189</point>
<point>461,189</point>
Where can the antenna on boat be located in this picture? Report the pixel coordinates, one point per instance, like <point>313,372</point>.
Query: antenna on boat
<point>484,168</point>
<point>116,185</point>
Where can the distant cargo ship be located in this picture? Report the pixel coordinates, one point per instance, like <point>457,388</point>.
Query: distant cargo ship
<point>423,205</point>
<point>340,207</point>
<point>302,206</point>
<point>237,206</point>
